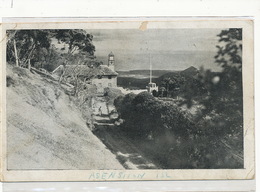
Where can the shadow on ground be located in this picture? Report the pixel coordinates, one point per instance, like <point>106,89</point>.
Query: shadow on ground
<point>118,143</point>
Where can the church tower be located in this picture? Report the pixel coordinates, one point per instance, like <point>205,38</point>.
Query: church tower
<point>152,87</point>
<point>111,61</point>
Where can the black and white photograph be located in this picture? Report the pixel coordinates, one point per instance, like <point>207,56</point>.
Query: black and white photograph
<point>125,99</point>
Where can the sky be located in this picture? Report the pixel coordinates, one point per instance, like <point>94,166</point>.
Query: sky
<point>170,49</point>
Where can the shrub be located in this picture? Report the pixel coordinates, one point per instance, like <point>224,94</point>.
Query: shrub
<point>111,94</point>
<point>145,115</point>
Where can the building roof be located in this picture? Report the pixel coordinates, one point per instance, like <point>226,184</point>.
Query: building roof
<point>105,70</point>
<point>84,70</point>
<point>111,54</point>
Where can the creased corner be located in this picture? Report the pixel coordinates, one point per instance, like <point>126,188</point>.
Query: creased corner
<point>143,26</point>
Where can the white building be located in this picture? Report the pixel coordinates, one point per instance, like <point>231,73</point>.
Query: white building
<point>102,76</point>
<point>151,87</point>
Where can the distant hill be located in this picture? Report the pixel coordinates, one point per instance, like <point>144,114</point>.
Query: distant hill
<point>191,71</point>
<point>168,75</point>
<point>188,73</point>
<point>132,79</point>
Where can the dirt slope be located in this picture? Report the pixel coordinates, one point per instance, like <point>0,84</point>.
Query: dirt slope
<point>45,130</point>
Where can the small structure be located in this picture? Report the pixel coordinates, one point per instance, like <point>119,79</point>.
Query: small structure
<point>151,87</point>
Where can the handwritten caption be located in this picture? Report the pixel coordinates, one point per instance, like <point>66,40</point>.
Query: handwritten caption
<point>120,175</point>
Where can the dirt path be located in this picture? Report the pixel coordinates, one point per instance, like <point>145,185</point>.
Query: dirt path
<point>118,143</point>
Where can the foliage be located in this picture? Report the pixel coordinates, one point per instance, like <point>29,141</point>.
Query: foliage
<point>221,119</point>
<point>82,58</point>
<point>173,85</point>
<point>22,44</point>
<point>38,48</point>
<point>111,94</point>
<point>124,105</point>
<point>214,139</point>
<point>224,98</point>
<point>230,51</point>
<point>145,116</point>
<point>163,124</point>
<point>76,39</point>
<point>178,84</point>
<point>48,59</point>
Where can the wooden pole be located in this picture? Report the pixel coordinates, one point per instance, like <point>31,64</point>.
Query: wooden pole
<point>16,55</point>
<point>150,68</point>
<point>33,47</point>
<point>29,64</point>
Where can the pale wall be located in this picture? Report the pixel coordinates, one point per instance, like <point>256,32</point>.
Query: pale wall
<point>104,82</point>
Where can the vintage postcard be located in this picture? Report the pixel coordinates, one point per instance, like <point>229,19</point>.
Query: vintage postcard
<point>127,100</point>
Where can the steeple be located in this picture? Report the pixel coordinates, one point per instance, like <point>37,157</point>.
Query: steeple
<point>111,61</point>
<point>151,88</point>
<point>150,68</point>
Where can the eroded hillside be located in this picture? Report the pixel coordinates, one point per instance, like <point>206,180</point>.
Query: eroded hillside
<point>45,130</point>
